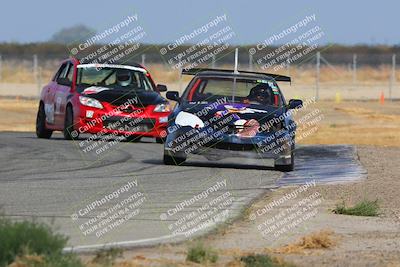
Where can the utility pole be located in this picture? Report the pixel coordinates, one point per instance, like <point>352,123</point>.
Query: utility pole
<point>35,68</point>
<point>354,68</point>
<point>250,62</point>
<point>143,59</point>
<point>392,76</point>
<point>318,72</point>
<point>39,81</point>
<point>213,62</point>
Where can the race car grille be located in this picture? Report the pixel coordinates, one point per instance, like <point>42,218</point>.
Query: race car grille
<point>129,124</point>
<point>233,147</point>
<point>131,109</point>
<point>234,129</point>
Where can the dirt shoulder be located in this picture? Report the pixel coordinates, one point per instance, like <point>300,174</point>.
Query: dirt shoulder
<point>361,241</point>
<point>358,241</point>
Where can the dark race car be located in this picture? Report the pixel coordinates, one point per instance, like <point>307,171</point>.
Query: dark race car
<point>223,113</point>
<point>102,99</point>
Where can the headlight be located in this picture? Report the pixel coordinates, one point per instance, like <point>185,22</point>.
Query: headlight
<point>164,107</point>
<point>188,119</point>
<point>163,119</point>
<point>90,102</point>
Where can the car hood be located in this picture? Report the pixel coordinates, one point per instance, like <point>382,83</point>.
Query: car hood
<point>240,111</point>
<point>120,97</point>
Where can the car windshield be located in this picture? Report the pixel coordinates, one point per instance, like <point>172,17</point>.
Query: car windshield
<point>237,90</point>
<point>113,78</point>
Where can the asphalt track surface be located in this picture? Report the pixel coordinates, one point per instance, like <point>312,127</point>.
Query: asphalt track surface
<point>55,181</point>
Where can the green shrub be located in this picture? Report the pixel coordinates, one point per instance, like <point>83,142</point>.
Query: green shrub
<point>22,238</point>
<point>67,260</point>
<point>262,260</point>
<point>363,208</point>
<point>200,254</point>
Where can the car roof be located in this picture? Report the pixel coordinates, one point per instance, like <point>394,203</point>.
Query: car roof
<point>128,63</point>
<point>224,73</point>
<point>120,63</point>
<point>129,67</point>
<point>218,74</point>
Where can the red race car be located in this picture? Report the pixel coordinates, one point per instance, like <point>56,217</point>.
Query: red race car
<point>102,98</point>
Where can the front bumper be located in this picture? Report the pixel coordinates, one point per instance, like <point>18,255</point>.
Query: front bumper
<point>143,124</point>
<point>260,146</point>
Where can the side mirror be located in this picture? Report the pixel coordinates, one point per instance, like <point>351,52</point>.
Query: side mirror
<point>173,95</point>
<point>295,103</point>
<point>161,88</point>
<point>64,81</point>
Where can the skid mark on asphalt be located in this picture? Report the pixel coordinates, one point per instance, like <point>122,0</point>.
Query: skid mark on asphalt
<point>325,164</point>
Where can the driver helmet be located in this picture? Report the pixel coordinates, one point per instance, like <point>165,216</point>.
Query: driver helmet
<point>123,77</point>
<point>261,93</point>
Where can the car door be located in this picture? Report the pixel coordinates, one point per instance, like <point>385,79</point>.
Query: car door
<point>49,98</point>
<point>61,94</point>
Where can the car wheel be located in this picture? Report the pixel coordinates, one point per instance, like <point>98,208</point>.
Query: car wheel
<point>288,167</point>
<point>41,130</point>
<point>170,160</point>
<point>69,125</point>
<point>133,138</point>
<point>160,140</point>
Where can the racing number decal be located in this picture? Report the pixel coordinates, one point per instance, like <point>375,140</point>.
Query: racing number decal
<point>49,111</point>
<point>58,105</point>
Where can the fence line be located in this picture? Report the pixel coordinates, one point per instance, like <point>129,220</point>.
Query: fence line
<point>1,67</point>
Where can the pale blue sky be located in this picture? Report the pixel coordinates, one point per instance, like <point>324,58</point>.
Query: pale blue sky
<point>346,22</point>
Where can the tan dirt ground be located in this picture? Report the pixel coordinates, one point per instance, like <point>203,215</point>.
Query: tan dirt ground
<point>358,123</point>
<point>18,114</point>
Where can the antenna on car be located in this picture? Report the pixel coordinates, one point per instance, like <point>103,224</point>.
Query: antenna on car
<point>235,72</point>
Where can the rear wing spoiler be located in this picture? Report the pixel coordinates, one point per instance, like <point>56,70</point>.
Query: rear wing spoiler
<point>276,77</point>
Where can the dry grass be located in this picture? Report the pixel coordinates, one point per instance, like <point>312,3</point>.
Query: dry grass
<point>14,72</point>
<point>318,240</point>
<point>27,261</point>
<point>141,261</point>
<point>18,115</point>
<point>368,113</point>
<point>23,74</point>
<point>358,123</point>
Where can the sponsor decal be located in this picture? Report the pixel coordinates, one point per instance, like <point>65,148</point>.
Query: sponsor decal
<point>94,90</point>
<point>49,111</point>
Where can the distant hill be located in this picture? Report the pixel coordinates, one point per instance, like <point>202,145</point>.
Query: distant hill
<point>72,34</point>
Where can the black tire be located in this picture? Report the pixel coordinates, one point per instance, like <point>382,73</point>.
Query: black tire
<point>160,140</point>
<point>170,160</point>
<point>69,125</point>
<point>41,130</point>
<point>288,167</point>
<point>133,138</point>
